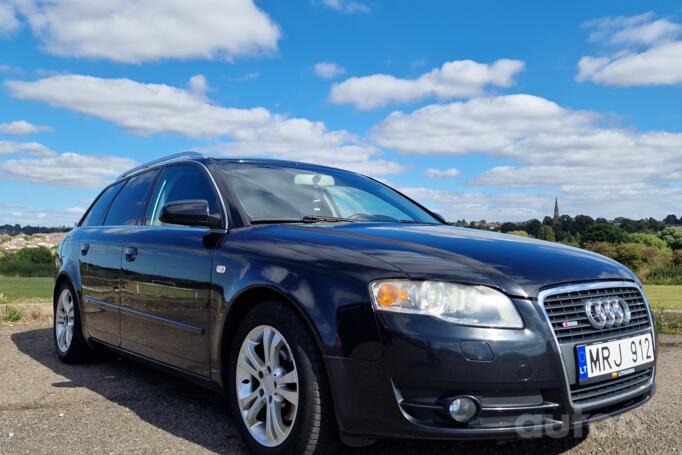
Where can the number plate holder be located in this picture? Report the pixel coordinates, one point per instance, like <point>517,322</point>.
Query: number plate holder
<point>624,356</point>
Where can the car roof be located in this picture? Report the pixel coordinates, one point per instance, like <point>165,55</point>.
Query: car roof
<point>200,158</point>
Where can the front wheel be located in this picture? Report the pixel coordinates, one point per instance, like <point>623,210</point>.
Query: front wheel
<point>277,385</point>
<point>68,333</point>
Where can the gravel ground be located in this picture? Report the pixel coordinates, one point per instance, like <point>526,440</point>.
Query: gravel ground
<point>117,406</point>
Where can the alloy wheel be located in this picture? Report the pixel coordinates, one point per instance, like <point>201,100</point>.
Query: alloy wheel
<point>64,320</point>
<point>267,385</point>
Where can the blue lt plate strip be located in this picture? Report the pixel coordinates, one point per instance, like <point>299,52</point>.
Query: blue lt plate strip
<point>582,362</point>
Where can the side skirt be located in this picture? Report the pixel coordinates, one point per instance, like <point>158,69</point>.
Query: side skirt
<point>201,381</point>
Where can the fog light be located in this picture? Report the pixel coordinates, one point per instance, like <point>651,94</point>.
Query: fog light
<point>463,409</point>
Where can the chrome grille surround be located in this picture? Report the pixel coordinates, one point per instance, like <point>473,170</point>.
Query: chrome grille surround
<point>603,393</point>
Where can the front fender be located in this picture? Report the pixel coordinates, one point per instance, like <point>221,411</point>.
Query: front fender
<point>332,297</point>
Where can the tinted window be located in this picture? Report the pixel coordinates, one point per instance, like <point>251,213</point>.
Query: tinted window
<point>127,203</point>
<point>181,182</point>
<point>100,206</point>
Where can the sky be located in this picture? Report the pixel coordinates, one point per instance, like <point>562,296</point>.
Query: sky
<point>480,110</point>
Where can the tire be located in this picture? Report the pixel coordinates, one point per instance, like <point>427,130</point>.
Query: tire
<point>67,330</point>
<point>310,428</point>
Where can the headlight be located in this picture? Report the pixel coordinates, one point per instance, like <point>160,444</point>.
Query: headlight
<point>479,306</point>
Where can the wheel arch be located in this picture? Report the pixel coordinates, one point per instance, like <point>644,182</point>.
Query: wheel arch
<point>65,277</point>
<point>242,303</point>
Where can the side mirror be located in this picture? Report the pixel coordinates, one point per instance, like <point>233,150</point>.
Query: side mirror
<point>191,212</point>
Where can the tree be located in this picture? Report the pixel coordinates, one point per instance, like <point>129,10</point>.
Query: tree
<point>508,227</point>
<point>581,223</point>
<point>532,227</point>
<point>604,233</point>
<point>520,233</point>
<point>671,220</point>
<point>673,237</point>
<point>546,233</point>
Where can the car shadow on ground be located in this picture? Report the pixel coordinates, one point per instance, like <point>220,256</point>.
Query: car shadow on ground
<point>200,416</point>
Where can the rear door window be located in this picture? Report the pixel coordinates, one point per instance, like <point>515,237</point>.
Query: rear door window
<point>128,202</point>
<point>99,208</point>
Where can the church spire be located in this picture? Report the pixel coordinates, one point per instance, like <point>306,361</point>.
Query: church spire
<point>556,211</point>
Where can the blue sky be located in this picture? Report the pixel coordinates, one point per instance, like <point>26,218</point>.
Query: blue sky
<point>481,110</point>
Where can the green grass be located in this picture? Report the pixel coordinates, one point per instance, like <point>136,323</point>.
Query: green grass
<point>32,289</point>
<point>665,297</point>
<point>25,289</point>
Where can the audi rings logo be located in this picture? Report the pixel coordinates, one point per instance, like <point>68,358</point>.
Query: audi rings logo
<point>608,312</point>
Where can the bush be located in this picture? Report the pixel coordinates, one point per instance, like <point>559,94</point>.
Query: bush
<point>663,323</point>
<point>603,248</point>
<point>672,236</point>
<point>631,255</point>
<point>27,262</point>
<point>12,315</point>
<point>519,233</point>
<point>669,275</point>
<point>677,258</point>
<point>645,239</point>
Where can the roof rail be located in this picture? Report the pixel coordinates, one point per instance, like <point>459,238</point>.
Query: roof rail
<point>175,156</point>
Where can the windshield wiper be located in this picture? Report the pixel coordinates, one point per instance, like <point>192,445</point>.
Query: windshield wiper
<point>325,219</point>
<point>304,219</point>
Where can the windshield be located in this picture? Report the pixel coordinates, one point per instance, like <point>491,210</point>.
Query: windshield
<point>277,193</point>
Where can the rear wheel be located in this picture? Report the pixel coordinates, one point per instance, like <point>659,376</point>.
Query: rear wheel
<point>68,333</point>
<point>277,385</point>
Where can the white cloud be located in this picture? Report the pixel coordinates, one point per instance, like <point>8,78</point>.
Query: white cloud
<point>8,19</point>
<point>197,85</point>
<point>642,29</point>
<point>471,205</point>
<point>660,65</point>
<point>459,78</point>
<point>441,173</point>
<point>135,31</point>
<point>328,70</point>
<point>642,51</point>
<point>34,148</point>
<point>492,124</point>
<point>67,170</point>
<point>346,6</point>
<point>156,108</point>
<point>605,171</point>
<point>22,128</point>
<point>141,108</point>
<point>302,140</point>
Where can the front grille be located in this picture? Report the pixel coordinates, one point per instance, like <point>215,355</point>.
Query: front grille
<point>569,307</point>
<point>592,393</point>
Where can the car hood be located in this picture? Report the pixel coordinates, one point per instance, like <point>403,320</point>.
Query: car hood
<point>517,265</point>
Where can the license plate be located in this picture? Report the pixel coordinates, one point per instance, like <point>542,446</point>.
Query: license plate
<point>615,358</point>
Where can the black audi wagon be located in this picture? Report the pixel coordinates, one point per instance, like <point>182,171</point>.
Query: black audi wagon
<point>328,307</point>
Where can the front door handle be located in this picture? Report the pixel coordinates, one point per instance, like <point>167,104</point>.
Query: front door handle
<point>85,247</point>
<point>131,253</point>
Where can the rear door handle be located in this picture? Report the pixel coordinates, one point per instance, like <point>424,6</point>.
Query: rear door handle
<point>85,247</point>
<point>131,253</point>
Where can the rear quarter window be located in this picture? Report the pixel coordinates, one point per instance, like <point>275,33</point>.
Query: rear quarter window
<point>98,209</point>
<point>128,202</point>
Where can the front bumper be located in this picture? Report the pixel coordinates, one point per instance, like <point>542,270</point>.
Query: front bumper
<point>523,390</point>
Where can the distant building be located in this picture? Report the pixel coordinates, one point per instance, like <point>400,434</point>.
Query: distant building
<point>556,211</point>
